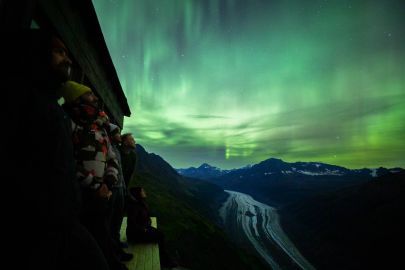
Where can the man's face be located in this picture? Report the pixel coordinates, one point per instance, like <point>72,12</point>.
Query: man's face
<point>117,137</point>
<point>130,142</point>
<point>60,61</point>
<point>90,99</point>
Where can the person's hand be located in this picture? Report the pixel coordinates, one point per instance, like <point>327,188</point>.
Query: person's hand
<point>104,192</point>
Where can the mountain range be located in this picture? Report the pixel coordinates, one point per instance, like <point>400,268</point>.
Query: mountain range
<point>277,182</point>
<point>203,172</point>
<point>273,165</point>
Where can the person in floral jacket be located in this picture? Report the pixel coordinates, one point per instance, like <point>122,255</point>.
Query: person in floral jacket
<point>97,164</point>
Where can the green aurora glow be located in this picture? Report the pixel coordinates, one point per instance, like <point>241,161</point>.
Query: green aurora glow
<point>234,82</point>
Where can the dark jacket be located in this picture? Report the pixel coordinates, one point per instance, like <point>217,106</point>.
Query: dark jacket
<point>128,163</point>
<point>138,218</point>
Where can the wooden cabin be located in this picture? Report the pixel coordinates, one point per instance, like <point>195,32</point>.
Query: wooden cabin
<point>77,24</point>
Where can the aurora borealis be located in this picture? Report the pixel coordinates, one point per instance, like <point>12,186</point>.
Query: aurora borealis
<point>234,82</point>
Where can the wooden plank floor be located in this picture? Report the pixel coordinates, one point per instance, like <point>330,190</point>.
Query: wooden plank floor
<point>146,256</point>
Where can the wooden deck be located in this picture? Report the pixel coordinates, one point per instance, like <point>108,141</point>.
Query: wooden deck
<point>146,256</point>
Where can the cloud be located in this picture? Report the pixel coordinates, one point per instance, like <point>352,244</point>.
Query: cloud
<point>206,116</point>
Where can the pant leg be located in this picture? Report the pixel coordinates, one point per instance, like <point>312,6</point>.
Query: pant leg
<point>97,221</point>
<point>118,206</point>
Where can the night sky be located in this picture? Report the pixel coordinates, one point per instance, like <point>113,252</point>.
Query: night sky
<point>234,82</point>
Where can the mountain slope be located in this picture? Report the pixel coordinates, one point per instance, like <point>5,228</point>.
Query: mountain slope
<point>358,227</point>
<point>184,210</point>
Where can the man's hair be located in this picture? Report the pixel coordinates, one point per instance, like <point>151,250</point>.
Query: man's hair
<point>125,136</point>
